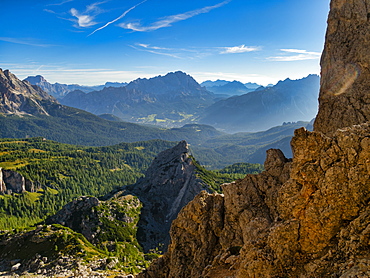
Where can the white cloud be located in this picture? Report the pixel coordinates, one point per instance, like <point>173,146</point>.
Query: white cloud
<point>86,18</point>
<point>83,20</point>
<point>239,49</point>
<point>118,18</point>
<point>168,20</point>
<point>300,55</point>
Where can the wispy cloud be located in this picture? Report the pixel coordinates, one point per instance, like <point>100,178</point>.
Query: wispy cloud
<point>239,49</point>
<point>156,50</point>
<point>169,20</point>
<point>86,18</point>
<point>25,41</point>
<point>49,11</point>
<point>118,18</point>
<point>60,3</point>
<point>299,55</point>
<point>74,74</point>
<point>193,52</point>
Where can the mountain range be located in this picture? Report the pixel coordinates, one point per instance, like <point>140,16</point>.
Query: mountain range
<point>229,88</point>
<point>171,100</point>
<point>58,90</point>
<point>287,101</point>
<point>213,148</point>
<point>177,99</point>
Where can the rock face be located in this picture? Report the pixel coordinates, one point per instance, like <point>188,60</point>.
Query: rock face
<point>20,97</point>
<point>344,95</point>
<point>169,184</point>
<point>14,182</point>
<point>305,217</point>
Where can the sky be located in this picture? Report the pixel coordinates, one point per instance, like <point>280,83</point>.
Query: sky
<point>91,42</point>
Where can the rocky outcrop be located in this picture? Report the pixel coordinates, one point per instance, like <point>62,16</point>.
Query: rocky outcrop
<point>92,218</point>
<point>305,217</point>
<point>79,216</point>
<point>344,94</point>
<point>14,182</point>
<point>20,97</point>
<point>169,184</point>
<point>52,251</point>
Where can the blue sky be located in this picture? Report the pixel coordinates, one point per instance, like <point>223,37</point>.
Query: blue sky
<point>91,42</point>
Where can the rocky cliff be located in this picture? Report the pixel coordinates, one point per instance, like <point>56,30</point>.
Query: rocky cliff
<point>344,94</point>
<point>169,184</point>
<point>20,97</point>
<point>14,182</point>
<point>305,217</point>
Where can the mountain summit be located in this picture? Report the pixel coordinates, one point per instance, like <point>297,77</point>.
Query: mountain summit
<point>20,97</point>
<point>169,184</point>
<point>171,100</point>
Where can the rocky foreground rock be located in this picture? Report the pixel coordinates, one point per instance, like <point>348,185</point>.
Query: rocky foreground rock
<point>305,217</point>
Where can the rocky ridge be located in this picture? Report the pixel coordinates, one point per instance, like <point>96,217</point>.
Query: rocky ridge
<point>20,97</point>
<point>305,217</point>
<point>169,184</point>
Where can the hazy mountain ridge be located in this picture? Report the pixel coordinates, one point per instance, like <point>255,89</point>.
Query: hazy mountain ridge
<point>229,88</point>
<point>287,101</point>
<point>59,91</point>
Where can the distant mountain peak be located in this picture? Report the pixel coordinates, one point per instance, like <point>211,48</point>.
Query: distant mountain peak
<point>35,79</point>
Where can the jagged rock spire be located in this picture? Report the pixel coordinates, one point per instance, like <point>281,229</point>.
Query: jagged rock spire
<point>169,184</point>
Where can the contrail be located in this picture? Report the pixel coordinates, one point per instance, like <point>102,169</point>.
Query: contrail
<point>118,18</point>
